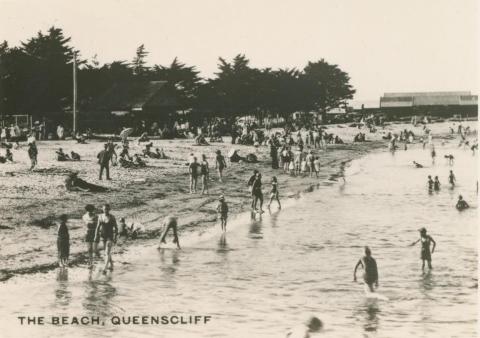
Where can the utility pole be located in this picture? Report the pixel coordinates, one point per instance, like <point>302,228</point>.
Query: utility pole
<point>74,93</point>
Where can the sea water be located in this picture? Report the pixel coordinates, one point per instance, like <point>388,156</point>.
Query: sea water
<point>268,274</point>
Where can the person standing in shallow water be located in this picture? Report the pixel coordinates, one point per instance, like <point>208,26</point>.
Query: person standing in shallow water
<point>370,271</point>
<point>274,193</point>
<point>461,204</point>
<point>451,179</point>
<point>436,184</point>
<point>63,242</point>
<point>193,169</point>
<point>204,169</point>
<point>90,220</point>
<point>107,228</point>
<point>170,222</point>
<point>222,211</point>
<point>425,253</point>
<point>430,183</point>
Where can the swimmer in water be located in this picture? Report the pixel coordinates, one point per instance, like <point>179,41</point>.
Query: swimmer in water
<point>417,165</point>
<point>461,204</point>
<point>436,184</point>
<point>170,222</point>
<point>312,325</point>
<point>430,183</point>
<point>370,271</point>
<point>450,159</point>
<point>451,179</point>
<point>425,253</point>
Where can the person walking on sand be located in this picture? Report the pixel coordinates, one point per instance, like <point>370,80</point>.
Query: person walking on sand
<point>104,160</point>
<point>425,253</point>
<point>220,164</point>
<point>32,154</point>
<point>451,179</point>
<point>250,185</point>
<point>222,211</point>
<point>63,242</point>
<point>91,221</point>
<point>370,271</point>
<point>204,170</point>
<point>107,228</point>
<point>316,165</point>
<point>193,169</point>
<point>274,193</point>
<point>170,222</point>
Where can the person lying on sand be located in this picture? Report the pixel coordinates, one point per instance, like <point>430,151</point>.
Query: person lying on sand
<point>73,183</point>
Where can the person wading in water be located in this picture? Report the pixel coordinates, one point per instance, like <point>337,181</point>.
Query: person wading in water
<point>370,271</point>
<point>108,230</point>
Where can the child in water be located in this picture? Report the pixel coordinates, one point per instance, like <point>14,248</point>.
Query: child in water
<point>222,211</point>
<point>430,183</point>
<point>370,271</point>
<point>274,193</point>
<point>63,242</point>
<point>425,253</point>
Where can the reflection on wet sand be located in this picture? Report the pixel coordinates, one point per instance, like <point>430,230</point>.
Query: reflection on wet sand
<point>62,295</point>
<point>99,295</point>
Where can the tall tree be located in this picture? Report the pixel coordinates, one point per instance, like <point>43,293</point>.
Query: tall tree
<point>139,61</point>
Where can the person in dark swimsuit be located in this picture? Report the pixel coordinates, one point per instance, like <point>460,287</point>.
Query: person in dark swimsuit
<point>451,179</point>
<point>108,230</point>
<point>417,165</point>
<point>436,184</point>
<point>257,192</point>
<point>370,271</point>
<point>220,165</point>
<point>63,242</point>
<point>425,253</point>
<point>274,193</point>
<point>430,183</point>
<point>461,204</point>
<point>90,220</point>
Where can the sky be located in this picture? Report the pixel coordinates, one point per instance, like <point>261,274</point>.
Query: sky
<point>384,45</point>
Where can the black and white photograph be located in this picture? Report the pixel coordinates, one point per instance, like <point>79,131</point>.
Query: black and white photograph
<point>220,168</point>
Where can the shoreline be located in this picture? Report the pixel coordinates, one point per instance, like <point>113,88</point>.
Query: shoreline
<point>198,212</point>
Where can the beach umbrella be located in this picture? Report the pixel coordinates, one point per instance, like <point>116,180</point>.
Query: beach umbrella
<point>126,132</point>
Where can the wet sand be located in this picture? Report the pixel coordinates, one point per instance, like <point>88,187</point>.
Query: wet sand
<point>31,202</point>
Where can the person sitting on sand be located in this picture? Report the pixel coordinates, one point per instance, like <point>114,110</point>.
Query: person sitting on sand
<point>61,156</point>
<point>124,153</point>
<point>147,151</point>
<point>143,138</point>
<point>138,162</point>
<point>170,222</point>
<point>201,141</point>
<point>80,138</point>
<point>461,204</point>
<point>160,154</point>
<point>75,156</point>
<point>222,211</point>
<point>370,271</point>
<point>417,165</point>
<point>63,242</point>
<point>108,230</point>
<point>122,229</point>
<point>425,253</point>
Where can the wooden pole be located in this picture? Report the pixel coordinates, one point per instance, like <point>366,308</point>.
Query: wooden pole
<point>74,93</point>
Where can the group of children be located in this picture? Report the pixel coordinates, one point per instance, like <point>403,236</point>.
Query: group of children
<point>299,162</point>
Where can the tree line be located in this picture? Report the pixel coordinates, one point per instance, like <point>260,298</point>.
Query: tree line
<point>36,79</point>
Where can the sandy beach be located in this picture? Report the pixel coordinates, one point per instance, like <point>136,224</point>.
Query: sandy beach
<point>31,201</point>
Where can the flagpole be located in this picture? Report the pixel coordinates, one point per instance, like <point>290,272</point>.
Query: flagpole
<point>74,93</point>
